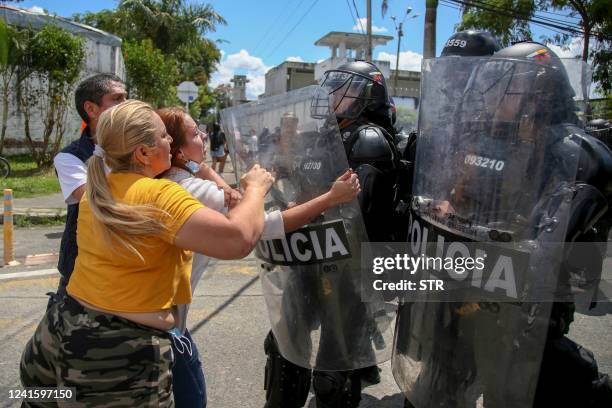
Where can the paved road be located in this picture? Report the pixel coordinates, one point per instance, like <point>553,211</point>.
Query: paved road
<point>229,322</point>
<point>33,241</point>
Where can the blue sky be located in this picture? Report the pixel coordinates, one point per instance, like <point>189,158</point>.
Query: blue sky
<point>262,34</point>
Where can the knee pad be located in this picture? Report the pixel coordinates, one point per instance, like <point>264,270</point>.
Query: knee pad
<point>286,384</point>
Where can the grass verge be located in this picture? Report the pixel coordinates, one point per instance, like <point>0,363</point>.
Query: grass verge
<point>27,180</point>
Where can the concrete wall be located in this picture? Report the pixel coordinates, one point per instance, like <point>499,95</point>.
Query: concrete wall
<point>408,84</point>
<point>276,80</point>
<point>300,78</point>
<point>288,76</point>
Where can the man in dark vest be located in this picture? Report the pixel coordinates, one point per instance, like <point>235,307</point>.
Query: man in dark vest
<point>92,97</point>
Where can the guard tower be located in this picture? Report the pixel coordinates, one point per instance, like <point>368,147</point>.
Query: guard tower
<point>346,47</point>
<point>239,89</point>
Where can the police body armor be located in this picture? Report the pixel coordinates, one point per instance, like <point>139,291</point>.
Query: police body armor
<point>491,170</point>
<point>373,155</point>
<point>311,278</point>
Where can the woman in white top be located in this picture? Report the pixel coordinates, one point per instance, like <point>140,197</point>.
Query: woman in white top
<point>188,151</point>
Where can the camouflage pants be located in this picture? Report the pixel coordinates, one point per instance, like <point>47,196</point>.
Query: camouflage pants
<point>110,361</point>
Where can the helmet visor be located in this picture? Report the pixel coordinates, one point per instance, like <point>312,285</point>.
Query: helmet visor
<point>343,93</point>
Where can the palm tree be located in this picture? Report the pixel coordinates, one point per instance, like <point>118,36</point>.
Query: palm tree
<point>171,23</point>
<point>429,38</point>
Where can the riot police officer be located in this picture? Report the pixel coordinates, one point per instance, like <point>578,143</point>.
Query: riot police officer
<point>568,373</point>
<point>356,94</point>
<point>467,43</point>
<point>514,119</point>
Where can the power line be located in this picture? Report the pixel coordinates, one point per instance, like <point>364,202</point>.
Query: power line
<point>293,28</point>
<point>281,26</point>
<point>360,25</point>
<point>482,4</point>
<point>537,19</point>
<point>358,18</point>
<point>559,14</point>
<point>350,11</point>
<point>448,4</point>
<point>285,8</point>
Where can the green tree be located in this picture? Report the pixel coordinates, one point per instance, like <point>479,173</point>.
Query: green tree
<point>168,38</point>
<point>4,43</point>
<point>511,25</point>
<point>150,74</point>
<point>506,28</point>
<point>602,53</point>
<point>51,64</point>
<point>176,27</point>
<point>13,44</point>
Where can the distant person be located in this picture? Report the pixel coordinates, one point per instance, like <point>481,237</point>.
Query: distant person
<point>92,97</point>
<point>218,148</point>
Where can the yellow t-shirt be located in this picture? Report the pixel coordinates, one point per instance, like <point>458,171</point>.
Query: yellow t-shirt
<point>113,278</point>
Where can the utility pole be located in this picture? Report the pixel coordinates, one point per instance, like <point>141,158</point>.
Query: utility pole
<point>429,34</point>
<point>369,30</point>
<point>399,39</point>
<point>400,33</point>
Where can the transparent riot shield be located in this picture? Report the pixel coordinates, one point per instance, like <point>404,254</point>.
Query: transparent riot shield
<point>492,170</point>
<point>311,277</point>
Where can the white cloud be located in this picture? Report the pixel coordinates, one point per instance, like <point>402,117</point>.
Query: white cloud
<point>36,9</point>
<point>294,59</point>
<point>409,60</point>
<point>362,23</point>
<point>574,68</point>
<point>573,50</point>
<point>241,63</point>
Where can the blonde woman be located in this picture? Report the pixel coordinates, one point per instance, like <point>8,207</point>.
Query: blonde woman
<point>109,337</point>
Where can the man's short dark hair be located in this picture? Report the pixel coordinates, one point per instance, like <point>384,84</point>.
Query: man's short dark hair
<point>93,89</point>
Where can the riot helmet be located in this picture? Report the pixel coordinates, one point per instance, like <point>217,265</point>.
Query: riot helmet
<point>555,102</point>
<point>524,85</point>
<point>470,43</point>
<point>352,90</point>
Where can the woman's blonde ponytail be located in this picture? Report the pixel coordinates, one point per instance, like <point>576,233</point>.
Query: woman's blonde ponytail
<point>120,130</point>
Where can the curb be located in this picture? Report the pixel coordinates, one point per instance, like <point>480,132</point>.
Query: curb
<point>37,214</point>
<point>28,274</point>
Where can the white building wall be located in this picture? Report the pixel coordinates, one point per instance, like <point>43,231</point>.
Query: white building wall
<point>100,58</point>
<point>276,80</point>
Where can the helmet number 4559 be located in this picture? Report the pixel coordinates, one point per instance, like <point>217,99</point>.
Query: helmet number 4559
<point>456,43</point>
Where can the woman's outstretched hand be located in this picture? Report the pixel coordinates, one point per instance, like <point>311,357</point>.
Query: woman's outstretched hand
<point>345,188</point>
<point>257,177</point>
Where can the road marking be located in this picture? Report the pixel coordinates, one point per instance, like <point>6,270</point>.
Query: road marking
<point>28,274</point>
